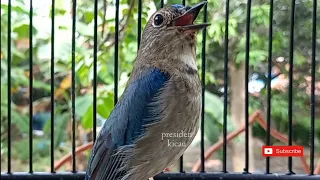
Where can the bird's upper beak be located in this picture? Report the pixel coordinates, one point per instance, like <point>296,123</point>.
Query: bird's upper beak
<point>186,20</point>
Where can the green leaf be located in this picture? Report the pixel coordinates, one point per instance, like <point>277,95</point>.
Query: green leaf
<point>213,105</point>
<point>18,9</point>
<point>85,29</point>
<point>20,120</point>
<point>82,104</point>
<point>299,59</point>
<point>58,12</point>
<point>212,129</point>
<point>20,150</point>
<point>60,128</point>
<point>88,16</point>
<point>87,119</point>
<point>42,85</point>
<point>214,117</point>
<point>255,57</point>
<point>23,30</point>
<point>4,94</point>
<point>105,106</point>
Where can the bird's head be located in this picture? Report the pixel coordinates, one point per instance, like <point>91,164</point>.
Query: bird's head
<point>171,28</point>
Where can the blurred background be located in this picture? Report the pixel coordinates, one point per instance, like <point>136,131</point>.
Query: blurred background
<point>128,29</point>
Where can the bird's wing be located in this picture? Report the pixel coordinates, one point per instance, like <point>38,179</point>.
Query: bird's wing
<point>137,107</point>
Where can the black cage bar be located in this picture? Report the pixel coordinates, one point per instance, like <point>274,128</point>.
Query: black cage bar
<point>203,174</point>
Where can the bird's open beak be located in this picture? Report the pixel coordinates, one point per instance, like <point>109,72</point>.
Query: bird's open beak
<point>186,20</point>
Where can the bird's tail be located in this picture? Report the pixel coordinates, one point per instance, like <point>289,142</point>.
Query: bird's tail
<point>87,177</point>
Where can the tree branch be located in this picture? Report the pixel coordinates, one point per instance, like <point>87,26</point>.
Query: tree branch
<point>68,157</point>
<point>257,116</point>
<point>218,144</point>
<point>317,170</point>
<point>104,17</point>
<point>123,28</point>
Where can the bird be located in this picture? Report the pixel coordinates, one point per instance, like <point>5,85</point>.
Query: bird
<point>157,115</point>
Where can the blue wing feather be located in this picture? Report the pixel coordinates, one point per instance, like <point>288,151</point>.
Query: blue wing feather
<point>177,6</point>
<point>126,122</point>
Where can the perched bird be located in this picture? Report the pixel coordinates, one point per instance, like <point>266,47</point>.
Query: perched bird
<point>157,116</point>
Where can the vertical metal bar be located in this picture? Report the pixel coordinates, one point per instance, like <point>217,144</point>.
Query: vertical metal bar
<point>139,21</point>
<point>226,81</point>
<point>95,60</point>
<point>73,90</point>
<point>203,75</point>
<point>0,83</point>
<point>162,3</point>
<point>291,82</point>
<point>269,82</point>
<point>116,54</point>
<point>246,169</point>
<point>30,87</point>
<point>313,75</point>
<point>181,158</point>
<point>52,84</point>
<point>9,86</point>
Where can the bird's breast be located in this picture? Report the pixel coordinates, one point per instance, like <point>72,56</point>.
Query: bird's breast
<point>165,141</point>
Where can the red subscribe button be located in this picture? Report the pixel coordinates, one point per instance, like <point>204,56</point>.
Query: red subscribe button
<point>282,151</point>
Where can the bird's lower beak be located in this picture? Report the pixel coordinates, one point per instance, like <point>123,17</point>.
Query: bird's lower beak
<point>186,20</point>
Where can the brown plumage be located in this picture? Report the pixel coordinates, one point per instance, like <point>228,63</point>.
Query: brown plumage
<point>162,98</point>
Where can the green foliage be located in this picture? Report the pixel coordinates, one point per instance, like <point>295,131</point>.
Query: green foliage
<point>214,118</point>
<point>127,52</point>
<point>104,108</point>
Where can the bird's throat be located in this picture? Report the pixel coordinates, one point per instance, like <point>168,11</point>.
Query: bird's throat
<point>189,60</point>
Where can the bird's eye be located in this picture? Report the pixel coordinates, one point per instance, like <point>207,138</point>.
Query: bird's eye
<point>158,20</point>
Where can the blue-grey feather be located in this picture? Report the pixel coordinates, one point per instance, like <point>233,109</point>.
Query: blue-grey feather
<point>143,91</point>
<point>177,6</point>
